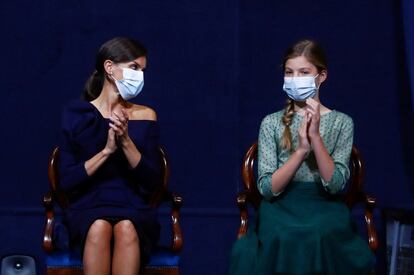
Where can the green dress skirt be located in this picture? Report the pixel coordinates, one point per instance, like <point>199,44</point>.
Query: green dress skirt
<point>304,230</point>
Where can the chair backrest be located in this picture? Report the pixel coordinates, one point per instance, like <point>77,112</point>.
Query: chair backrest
<point>61,198</point>
<point>352,195</point>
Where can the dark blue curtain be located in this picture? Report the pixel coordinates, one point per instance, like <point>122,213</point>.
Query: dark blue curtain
<point>406,86</point>
<point>408,19</point>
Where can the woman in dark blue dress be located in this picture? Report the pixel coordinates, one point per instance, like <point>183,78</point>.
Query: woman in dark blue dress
<point>109,164</point>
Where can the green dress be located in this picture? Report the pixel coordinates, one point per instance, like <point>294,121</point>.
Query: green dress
<point>304,229</point>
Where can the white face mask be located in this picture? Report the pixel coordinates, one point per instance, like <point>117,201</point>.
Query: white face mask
<point>131,84</point>
<point>300,88</point>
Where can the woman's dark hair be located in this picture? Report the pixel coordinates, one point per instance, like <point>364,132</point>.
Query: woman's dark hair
<point>315,55</point>
<point>119,49</point>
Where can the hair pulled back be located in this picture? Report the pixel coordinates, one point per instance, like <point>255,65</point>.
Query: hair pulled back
<point>118,49</point>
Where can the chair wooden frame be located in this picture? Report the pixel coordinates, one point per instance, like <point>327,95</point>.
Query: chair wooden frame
<point>57,196</point>
<point>354,193</point>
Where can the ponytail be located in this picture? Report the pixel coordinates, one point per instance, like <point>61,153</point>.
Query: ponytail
<point>93,86</point>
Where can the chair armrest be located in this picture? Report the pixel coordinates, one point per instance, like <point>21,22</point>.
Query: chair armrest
<point>176,203</point>
<point>177,243</point>
<point>50,217</point>
<point>242,200</point>
<point>370,203</point>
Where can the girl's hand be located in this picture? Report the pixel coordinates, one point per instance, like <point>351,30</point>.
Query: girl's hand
<point>110,146</point>
<point>313,109</point>
<point>119,124</point>
<point>304,143</point>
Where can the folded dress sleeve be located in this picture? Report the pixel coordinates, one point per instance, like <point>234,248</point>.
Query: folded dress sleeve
<point>148,174</point>
<point>72,171</point>
<point>80,138</point>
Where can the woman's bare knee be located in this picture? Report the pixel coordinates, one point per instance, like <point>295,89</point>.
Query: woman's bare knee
<point>100,231</point>
<point>125,233</point>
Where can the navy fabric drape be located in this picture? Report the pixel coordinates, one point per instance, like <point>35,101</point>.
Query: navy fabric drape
<point>408,21</point>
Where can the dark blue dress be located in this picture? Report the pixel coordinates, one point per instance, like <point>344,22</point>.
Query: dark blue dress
<point>115,190</point>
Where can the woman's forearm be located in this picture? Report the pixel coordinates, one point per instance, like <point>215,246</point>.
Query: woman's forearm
<point>96,161</point>
<point>282,176</point>
<point>325,163</point>
<point>131,152</point>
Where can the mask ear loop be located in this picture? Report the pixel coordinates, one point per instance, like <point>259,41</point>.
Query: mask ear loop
<point>114,80</point>
<point>111,75</point>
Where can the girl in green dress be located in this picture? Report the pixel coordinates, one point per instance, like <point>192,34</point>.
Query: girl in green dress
<point>303,157</point>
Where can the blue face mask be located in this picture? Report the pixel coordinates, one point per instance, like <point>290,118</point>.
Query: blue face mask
<point>300,88</point>
<point>131,84</point>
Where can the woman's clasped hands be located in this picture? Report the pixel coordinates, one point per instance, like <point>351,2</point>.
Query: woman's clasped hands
<point>119,123</point>
<point>309,129</point>
<point>118,130</point>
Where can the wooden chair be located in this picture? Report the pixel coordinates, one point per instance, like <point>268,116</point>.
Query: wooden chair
<point>164,261</point>
<point>354,193</point>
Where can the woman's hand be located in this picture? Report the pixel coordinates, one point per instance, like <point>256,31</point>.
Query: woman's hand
<point>110,146</point>
<point>304,143</point>
<point>313,109</point>
<point>326,165</point>
<point>119,124</point>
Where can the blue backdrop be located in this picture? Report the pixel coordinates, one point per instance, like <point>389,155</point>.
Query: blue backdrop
<point>408,19</point>
<point>214,73</point>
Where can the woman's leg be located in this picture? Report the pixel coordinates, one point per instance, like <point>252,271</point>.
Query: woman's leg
<point>97,251</point>
<point>126,257</point>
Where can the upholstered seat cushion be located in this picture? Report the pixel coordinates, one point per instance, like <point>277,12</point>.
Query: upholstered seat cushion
<point>161,257</point>
<point>63,259</point>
